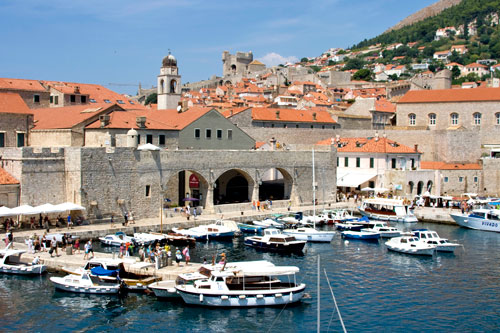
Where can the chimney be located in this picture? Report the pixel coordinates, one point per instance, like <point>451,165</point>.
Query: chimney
<point>337,137</point>
<point>77,90</point>
<point>314,115</point>
<point>416,148</point>
<point>277,114</point>
<point>104,120</point>
<point>141,122</point>
<point>376,136</point>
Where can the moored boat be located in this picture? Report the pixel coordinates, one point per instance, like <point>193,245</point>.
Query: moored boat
<point>410,245</point>
<point>250,228</point>
<point>85,284</point>
<point>383,229</point>
<point>310,234</point>
<point>360,235</point>
<point>479,219</point>
<point>117,239</point>
<point>432,237</point>
<point>11,263</point>
<point>273,240</point>
<point>206,232</point>
<point>395,210</point>
<point>245,287</point>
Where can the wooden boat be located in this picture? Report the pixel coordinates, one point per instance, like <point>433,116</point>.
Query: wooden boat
<point>395,210</point>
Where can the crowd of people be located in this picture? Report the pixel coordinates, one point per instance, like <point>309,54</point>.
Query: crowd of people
<point>155,253</point>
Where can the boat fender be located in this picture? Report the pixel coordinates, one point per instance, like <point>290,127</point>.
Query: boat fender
<point>291,297</point>
<point>201,298</point>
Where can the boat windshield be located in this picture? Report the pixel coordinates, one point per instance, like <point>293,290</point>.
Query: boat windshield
<point>434,235</point>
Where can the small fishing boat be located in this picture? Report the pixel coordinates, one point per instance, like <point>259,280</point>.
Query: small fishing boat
<point>274,240</point>
<point>11,263</point>
<point>117,239</point>
<point>337,215</point>
<point>206,232</point>
<point>245,287</point>
<point>269,223</point>
<point>432,237</point>
<point>479,219</point>
<point>250,228</point>
<point>360,235</point>
<point>310,234</point>
<point>85,284</point>
<point>410,245</point>
<point>395,210</point>
<point>349,226</point>
<point>383,229</point>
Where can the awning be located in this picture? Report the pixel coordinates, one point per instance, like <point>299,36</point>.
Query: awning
<point>353,179</point>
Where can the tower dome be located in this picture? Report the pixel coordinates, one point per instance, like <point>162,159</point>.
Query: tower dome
<point>169,61</point>
<point>132,138</point>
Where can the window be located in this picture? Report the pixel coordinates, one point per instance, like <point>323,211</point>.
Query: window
<point>219,134</point>
<point>475,179</point>
<point>322,126</point>
<point>72,98</point>
<point>149,138</point>
<point>358,162</point>
<point>2,139</point>
<point>51,99</point>
<point>338,161</point>
<point>139,139</point>
<point>56,100</point>
<point>346,161</point>
<point>432,119</point>
<point>460,179</point>
<point>272,125</point>
<point>297,126</point>
<point>119,101</point>
<point>372,162</point>
<point>131,102</point>
<point>197,133</point>
<point>107,101</point>
<point>412,163</point>
<point>36,98</point>
<point>208,133</point>
<point>284,125</point>
<point>454,119</point>
<point>229,134</point>
<point>20,139</point>
<point>393,163</point>
<point>92,100</point>
<point>148,191</point>
<point>497,118</point>
<point>445,179</point>
<point>477,118</point>
<point>161,139</point>
<point>312,126</point>
<point>412,119</point>
<point>83,99</point>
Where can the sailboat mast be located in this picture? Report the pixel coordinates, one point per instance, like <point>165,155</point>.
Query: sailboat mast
<point>318,329</point>
<point>314,185</point>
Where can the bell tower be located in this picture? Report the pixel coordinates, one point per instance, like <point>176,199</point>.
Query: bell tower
<point>169,84</point>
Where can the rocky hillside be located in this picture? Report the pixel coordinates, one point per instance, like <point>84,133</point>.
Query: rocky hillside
<point>424,13</point>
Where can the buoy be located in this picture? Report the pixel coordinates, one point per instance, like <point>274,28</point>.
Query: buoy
<point>201,298</point>
<point>346,242</point>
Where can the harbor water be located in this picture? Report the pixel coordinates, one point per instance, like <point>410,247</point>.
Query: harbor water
<point>376,290</point>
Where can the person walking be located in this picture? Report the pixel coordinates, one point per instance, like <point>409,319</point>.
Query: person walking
<point>77,246</point>
<point>258,205</point>
<point>185,252</point>
<point>178,257</point>
<point>53,247</point>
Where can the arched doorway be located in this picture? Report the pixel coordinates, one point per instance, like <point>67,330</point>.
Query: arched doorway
<point>420,187</point>
<point>275,184</point>
<point>185,187</point>
<point>232,187</point>
<point>429,186</point>
<point>411,185</point>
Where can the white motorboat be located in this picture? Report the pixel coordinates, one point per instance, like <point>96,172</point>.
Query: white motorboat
<point>85,283</point>
<point>395,210</point>
<point>432,237</point>
<point>145,238</point>
<point>207,232</point>
<point>410,245</point>
<point>11,263</point>
<point>274,240</point>
<point>245,287</point>
<point>337,215</point>
<point>479,219</point>
<point>383,229</point>
<point>117,239</point>
<point>310,234</point>
<point>229,224</point>
<point>270,223</point>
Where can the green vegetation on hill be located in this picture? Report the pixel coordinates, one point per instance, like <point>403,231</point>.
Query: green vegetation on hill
<point>485,44</point>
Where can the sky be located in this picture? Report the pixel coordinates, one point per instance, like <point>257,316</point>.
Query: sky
<point>121,43</point>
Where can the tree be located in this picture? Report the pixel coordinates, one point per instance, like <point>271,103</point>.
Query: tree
<point>354,63</point>
<point>363,75</point>
<point>304,59</point>
<point>455,72</point>
<point>432,68</point>
<point>153,98</point>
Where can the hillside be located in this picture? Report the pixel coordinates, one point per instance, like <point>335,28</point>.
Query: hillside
<point>424,13</point>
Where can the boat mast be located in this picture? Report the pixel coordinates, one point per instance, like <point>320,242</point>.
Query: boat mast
<point>314,187</point>
<point>318,328</point>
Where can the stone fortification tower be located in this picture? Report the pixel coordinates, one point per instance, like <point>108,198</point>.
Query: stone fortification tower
<point>236,64</point>
<point>442,80</point>
<point>169,84</point>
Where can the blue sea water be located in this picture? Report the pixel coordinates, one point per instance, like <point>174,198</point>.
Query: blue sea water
<point>376,291</point>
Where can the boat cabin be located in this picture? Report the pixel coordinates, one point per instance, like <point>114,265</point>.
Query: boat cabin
<point>488,214</point>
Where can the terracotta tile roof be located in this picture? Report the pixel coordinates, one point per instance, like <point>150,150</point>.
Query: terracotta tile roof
<point>6,178</point>
<point>383,105</point>
<point>370,145</point>
<point>256,62</point>
<point>291,115</point>
<point>233,111</point>
<point>12,103</point>
<point>155,119</point>
<point>475,65</point>
<point>68,116</point>
<point>20,84</point>
<point>451,95</point>
<point>259,144</point>
<point>449,166</point>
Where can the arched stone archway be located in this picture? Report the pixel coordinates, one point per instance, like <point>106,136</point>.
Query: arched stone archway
<point>186,186</point>
<point>162,86</point>
<point>420,187</point>
<point>233,186</point>
<point>411,186</point>
<point>173,86</point>
<point>429,186</point>
<point>275,184</point>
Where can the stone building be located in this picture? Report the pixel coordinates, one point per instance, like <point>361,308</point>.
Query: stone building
<point>33,92</point>
<point>169,84</point>
<point>236,64</point>
<point>9,189</point>
<point>16,120</point>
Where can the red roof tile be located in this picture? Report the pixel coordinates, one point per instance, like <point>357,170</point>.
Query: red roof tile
<point>6,178</point>
<point>383,105</point>
<point>451,95</point>
<point>370,145</point>
<point>449,166</point>
<point>12,103</point>
<point>20,84</point>
<point>66,117</point>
